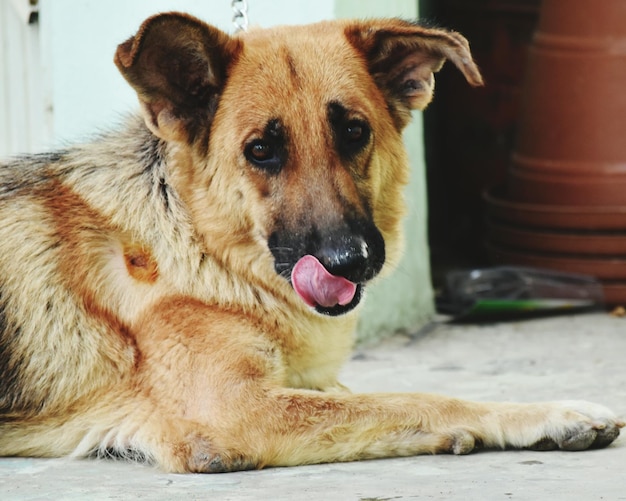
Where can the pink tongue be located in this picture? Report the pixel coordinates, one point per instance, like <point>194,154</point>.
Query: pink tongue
<point>318,287</point>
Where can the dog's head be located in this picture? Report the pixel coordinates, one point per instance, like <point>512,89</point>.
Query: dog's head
<point>289,140</point>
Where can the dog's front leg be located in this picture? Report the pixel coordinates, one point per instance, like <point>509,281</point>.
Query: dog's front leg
<point>283,427</point>
<point>299,427</point>
<point>219,370</point>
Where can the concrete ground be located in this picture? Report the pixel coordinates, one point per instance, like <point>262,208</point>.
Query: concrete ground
<point>565,357</point>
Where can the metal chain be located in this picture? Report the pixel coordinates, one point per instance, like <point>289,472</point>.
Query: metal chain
<point>240,17</point>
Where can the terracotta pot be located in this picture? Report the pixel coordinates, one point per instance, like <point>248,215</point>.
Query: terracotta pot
<point>596,244</point>
<point>563,205</point>
<point>613,269</point>
<point>571,147</point>
<point>570,217</point>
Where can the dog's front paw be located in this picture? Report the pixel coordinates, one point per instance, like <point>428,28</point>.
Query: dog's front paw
<point>203,457</point>
<point>579,425</point>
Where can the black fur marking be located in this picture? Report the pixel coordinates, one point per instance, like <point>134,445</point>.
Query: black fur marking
<point>27,171</point>
<point>152,156</point>
<point>296,79</point>
<point>164,188</point>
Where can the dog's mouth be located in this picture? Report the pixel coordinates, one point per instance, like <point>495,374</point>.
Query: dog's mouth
<point>328,270</point>
<point>329,294</point>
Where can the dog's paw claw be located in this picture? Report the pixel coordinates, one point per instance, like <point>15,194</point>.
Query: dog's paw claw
<point>605,436</point>
<point>579,441</point>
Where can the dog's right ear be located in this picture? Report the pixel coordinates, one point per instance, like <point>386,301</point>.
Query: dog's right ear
<point>177,64</point>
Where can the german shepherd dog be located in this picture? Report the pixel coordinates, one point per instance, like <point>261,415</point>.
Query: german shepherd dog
<point>184,291</point>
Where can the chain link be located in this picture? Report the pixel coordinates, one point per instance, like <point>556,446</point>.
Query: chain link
<point>240,16</point>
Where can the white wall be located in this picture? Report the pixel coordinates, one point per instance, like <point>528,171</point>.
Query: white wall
<point>24,113</point>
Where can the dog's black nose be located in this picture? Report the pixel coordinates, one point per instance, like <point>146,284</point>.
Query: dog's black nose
<point>349,257</point>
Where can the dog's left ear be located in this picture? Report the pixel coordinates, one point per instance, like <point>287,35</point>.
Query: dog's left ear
<point>177,64</point>
<point>402,57</point>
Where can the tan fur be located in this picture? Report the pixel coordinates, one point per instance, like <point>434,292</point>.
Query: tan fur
<point>141,310</point>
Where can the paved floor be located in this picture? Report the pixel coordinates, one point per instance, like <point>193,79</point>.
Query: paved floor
<point>565,357</point>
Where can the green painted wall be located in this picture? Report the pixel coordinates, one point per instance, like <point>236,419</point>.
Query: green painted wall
<point>404,300</point>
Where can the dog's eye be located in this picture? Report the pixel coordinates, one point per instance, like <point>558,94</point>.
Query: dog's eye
<point>354,132</point>
<point>354,137</point>
<point>263,154</point>
<point>260,151</point>
<point>351,133</point>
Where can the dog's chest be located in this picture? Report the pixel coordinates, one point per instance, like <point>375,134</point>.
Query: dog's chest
<point>314,361</point>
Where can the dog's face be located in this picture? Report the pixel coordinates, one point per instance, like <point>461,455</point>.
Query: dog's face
<point>292,137</point>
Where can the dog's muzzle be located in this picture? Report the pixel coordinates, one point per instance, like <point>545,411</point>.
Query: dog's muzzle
<point>329,272</point>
